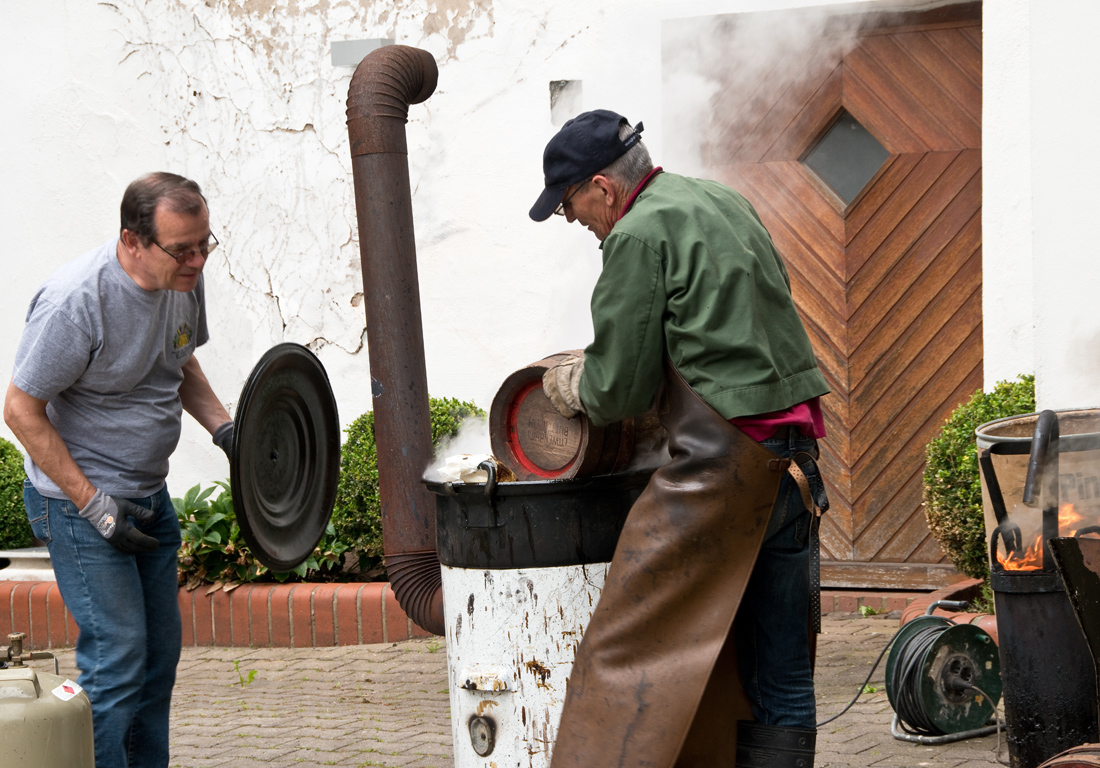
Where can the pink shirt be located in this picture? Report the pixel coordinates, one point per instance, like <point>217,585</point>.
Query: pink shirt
<point>805,417</point>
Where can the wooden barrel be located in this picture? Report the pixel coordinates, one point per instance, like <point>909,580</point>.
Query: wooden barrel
<point>531,438</point>
<point>1084,756</point>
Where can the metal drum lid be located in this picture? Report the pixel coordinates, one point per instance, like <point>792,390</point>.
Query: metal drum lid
<point>286,456</point>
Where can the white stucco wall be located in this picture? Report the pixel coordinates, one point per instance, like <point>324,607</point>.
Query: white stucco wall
<point>1041,282</point>
<point>241,96</point>
<point>1065,169</point>
<point>1007,279</point>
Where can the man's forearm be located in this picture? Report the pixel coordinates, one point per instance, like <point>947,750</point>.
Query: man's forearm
<point>198,397</point>
<point>26,417</point>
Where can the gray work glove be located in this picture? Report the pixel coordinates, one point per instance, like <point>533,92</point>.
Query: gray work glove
<point>562,385</point>
<point>223,438</point>
<point>110,516</point>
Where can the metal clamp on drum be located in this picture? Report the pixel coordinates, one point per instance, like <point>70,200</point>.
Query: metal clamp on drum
<point>484,517</point>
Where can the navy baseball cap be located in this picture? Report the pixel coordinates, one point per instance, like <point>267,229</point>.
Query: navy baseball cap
<point>584,146</point>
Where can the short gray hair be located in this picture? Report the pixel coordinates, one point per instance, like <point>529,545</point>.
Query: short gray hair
<point>630,168</point>
<point>144,195</point>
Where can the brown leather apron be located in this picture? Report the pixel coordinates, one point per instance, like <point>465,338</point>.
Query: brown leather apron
<point>655,681</point>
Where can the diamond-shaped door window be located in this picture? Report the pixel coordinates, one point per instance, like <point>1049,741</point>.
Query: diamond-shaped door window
<point>846,157</point>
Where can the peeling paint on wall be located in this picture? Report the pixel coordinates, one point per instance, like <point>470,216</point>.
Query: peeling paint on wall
<point>253,110</point>
<point>458,19</point>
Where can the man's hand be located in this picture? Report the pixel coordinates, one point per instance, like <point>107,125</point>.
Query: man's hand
<point>223,438</point>
<point>110,516</point>
<point>562,385</point>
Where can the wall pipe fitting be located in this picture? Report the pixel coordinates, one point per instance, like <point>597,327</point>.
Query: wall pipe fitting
<point>385,83</point>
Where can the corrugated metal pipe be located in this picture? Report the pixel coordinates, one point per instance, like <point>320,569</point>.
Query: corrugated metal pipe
<point>385,83</point>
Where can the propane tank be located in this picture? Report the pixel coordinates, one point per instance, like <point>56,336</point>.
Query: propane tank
<point>45,720</point>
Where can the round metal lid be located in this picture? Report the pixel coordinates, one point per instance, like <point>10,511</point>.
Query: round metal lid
<point>286,456</point>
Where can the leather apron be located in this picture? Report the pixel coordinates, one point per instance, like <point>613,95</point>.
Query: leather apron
<point>655,680</point>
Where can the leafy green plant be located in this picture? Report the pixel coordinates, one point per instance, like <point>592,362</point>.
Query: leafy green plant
<point>984,602</point>
<point>952,485</point>
<point>245,679</point>
<point>866,610</point>
<point>214,550</point>
<point>15,531</point>
<point>358,512</point>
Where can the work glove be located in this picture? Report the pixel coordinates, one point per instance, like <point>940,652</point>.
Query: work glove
<point>223,438</point>
<point>110,516</point>
<point>562,385</point>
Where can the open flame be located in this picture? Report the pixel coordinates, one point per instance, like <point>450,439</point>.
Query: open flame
<point>1031,558</point>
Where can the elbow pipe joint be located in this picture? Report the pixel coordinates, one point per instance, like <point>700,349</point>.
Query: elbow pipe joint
<point>385,83</point>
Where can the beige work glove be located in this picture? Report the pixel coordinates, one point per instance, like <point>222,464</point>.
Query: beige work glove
<point>562,385</point>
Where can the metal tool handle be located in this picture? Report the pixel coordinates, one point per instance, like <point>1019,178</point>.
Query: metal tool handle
<point>1046,427</point>
<point>948,605</point>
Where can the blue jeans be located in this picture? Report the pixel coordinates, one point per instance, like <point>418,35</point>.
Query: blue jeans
<point>773,654</point>
<point>129,619</point>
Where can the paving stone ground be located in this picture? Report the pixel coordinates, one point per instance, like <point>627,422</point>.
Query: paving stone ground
<point>386,705</point>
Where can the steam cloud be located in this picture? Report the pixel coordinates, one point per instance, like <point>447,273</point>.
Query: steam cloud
<point>472,437</point>
<point>724,71</point>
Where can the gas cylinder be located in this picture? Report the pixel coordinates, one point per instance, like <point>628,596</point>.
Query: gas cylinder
<point>45,720</point>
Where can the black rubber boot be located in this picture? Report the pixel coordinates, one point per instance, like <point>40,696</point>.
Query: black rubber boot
<point>769,746</point>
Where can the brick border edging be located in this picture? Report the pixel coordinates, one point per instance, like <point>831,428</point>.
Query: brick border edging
<point>306,615</point>
<point>252,615</point>
<point>850,600</point>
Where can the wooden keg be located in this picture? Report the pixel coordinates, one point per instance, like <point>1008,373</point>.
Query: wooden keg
<point>1084,756</point>
<point>531,438</point>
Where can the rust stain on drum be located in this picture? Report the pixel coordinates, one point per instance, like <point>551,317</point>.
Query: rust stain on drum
<point>539,671</point>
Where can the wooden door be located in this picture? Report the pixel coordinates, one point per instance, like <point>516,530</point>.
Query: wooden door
<point>888,284</point>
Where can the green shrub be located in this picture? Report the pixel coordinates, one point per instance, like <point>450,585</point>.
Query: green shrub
<point>214,550</point>
<point>358,512</point>
<point>952,488</point>
<point>15,531</point>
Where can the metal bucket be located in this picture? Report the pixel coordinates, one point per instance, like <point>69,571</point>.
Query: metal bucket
<point>1028,482</point>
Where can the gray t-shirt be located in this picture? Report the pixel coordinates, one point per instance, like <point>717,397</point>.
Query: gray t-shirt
<point>107,355</point>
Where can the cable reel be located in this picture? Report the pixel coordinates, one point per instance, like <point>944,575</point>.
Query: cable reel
<point>943,678</point>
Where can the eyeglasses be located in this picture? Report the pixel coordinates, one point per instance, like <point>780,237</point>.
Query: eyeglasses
<point>203,250</point>
<point>560,210</point>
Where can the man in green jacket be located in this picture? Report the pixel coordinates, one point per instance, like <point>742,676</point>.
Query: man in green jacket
<point>691,280</point>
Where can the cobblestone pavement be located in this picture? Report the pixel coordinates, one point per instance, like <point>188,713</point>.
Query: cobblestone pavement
<point>386,705</point>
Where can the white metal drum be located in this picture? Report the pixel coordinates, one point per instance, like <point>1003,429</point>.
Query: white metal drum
<point>511,639</point>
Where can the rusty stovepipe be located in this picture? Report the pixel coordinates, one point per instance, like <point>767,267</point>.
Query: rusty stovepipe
<point>385,83</point>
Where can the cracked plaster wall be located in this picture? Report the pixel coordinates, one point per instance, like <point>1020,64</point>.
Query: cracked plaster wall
<point>241,96</point>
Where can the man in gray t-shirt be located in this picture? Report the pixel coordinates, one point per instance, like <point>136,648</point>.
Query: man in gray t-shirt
<point>103,372</point>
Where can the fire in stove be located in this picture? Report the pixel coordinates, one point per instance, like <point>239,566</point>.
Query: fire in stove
<point>1030,558</point>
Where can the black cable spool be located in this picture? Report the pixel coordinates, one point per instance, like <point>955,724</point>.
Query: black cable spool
<point>285,461</point>
<point>942,677</point>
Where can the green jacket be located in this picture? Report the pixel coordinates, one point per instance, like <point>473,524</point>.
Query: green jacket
<point>690,269</point>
